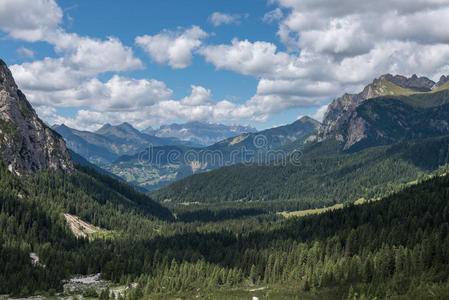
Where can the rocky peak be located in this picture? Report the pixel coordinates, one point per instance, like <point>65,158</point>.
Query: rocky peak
<point>26,143</point>
<point>342,122</point>
<point>124,130</point>
<point>104,127</point>
<point>418,83</point>
<point>7,82</point>
<point>341,108</point>
<point>443,80</point>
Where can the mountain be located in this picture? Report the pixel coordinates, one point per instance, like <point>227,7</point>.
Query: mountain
<point>368,145</point>
<point>272,138</point>
<point>389,109</point>
<point>201,133</point>
<point>58,221</point>
<point>317,179</point>
<point>26,143</point>
<point>159,166</point>
<point>39,185</point>
<point>110,142</point>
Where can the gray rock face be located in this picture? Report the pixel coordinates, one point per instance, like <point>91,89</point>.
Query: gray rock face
<point>419,83</point>
<point>26,143</point>
<point>340,109</point>
<point>385,123</point>
<point>443,80</point>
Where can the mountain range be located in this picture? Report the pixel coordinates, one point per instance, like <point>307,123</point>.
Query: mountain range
<point>395,123</point>
<point>110,142</point>
<point>158,166</point>
<point>232,232</point>
<point>201,133</point>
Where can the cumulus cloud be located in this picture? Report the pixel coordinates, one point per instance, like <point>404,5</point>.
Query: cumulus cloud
<point>218,18</point>
<point>29,20</point>
<point>199,96</point>
<point>356,27</point>
<point>70,79</point>
<point>116,94</point>
<point>334,49</point>
<point>331,49</point>
<point>258,59</point>
<point>40,20</point>
<point>173,48</point>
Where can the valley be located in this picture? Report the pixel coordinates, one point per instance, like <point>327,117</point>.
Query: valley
<point>353,207</point>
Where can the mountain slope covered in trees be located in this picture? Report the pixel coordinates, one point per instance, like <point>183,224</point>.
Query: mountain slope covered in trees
<point>318,180</point>
<point>395,246</point>
<point>346,160</point>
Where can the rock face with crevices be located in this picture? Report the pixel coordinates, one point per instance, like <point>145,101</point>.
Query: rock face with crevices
<point>390,109</point>
<point>27,145</point>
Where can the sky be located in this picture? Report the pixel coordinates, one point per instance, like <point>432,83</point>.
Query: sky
<point>259,62</point>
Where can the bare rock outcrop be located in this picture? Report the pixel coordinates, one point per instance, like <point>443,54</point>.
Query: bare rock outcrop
<point>27,144</point>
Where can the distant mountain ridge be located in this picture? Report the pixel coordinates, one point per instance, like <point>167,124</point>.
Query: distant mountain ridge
<point>201,133</point>
<point>162,165</point>
<point>110,142</point>
<point>26,143</point>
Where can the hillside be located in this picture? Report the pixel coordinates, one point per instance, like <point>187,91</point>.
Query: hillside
<point>32,218</point>
<point>317,181</point>
<point>159,166</point>
<point>38,185</point>
<point>387,120</point>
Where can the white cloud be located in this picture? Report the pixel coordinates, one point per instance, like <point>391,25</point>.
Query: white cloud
<point>173,48</point>
<point>337,48</point>
<point>331,49</point>
<point>40,20</point>
<point>199,96</point>
<point>218,18</point>
<point>273,15</point>
<point>356,27</point>
<point>116,94</point>
<point>319,114</point>
<point>258,59</point>
<point>29,20</point>
<point>25,52</point>
<point>95,56</point>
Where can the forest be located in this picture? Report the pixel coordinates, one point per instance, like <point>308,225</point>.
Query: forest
<point>323,178</point>
<point>397,246</point>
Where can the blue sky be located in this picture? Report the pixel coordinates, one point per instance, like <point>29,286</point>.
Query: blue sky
<point>258,62</point>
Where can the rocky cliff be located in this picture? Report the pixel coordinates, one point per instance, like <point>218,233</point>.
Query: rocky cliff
<point>26,143</point>
<point>345,122</point>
